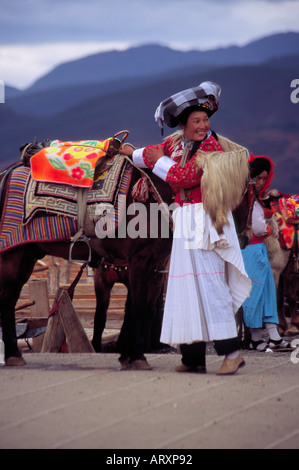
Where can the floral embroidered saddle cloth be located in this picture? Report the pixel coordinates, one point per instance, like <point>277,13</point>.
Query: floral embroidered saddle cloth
<point>70,163</point>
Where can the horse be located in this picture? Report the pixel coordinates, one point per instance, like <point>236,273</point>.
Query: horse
<point>145,248</point>
<point>105,276</point>
<point>146,255</point>
<point>284,265</point>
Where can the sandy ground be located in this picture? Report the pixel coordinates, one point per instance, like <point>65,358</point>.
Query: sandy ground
<point>83,401</point>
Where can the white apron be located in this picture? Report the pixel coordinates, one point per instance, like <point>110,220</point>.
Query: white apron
<point>207,280</point>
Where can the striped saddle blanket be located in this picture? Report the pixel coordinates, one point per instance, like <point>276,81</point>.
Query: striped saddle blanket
<point>41,211</point>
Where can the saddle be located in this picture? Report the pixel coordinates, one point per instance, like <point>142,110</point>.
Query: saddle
<point>67,202</point>
<point>72,162</point>
<point>77,164</point>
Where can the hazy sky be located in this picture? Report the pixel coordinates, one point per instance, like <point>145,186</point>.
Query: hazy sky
<point>37,35</point>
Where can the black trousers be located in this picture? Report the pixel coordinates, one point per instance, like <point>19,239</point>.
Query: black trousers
<point>194,354</point>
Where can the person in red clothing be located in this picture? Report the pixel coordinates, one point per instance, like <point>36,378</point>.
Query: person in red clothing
<point>260,309</point>
<point>207,281</point>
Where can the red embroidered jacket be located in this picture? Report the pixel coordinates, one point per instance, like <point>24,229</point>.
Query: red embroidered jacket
<point>187,177</point>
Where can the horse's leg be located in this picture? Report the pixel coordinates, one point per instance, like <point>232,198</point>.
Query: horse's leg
<point>244,334</point>
<point>124,339</point>
<point>102,291</point>
<point>282,322</point>
<point>155,300</point>
<point>145,289</point>
<point>152,332</point>
<point>291,296</point>
<point>151,335</point>
<point>16,267</point>
<point>286,286</point>
<point>138,320</point>
<point>155,343</point>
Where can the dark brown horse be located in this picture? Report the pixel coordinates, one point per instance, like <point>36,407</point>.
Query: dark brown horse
<point>146,252</point>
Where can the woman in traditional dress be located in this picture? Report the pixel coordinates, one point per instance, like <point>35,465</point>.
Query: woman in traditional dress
<point>260,309</point>
<point>207,282</point>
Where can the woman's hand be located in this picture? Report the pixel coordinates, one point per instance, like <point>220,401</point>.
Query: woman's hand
<point>127,150</point>
<point>154,153</point>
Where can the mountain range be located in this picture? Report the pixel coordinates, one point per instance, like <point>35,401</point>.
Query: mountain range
<point>103,93</point>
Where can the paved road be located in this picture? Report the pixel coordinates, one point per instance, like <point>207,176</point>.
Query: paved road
<point>82,401</point>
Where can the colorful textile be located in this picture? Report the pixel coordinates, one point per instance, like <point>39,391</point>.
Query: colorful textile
<point>286,232</point>
<point>205,95</point>
<point>14,233</point>
<point>261,306</point>
<point>24,218</point>
<point>70,163</point>
<point>289,208</point>
<point>286,213</point>
<point>62,199</point>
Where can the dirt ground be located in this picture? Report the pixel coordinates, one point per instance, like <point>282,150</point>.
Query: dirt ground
<point>83,401</point>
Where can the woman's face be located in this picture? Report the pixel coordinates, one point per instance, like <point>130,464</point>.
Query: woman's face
<point>261,180</point>
<point>197,126</point>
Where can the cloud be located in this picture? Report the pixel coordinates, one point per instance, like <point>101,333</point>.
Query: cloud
<point>21,65</point>
<point>36,35</point>
<point>194,22</point>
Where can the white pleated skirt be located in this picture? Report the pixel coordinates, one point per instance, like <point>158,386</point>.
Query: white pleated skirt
<point>207,280</point>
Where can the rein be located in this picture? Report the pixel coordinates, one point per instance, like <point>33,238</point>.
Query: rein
<point>70,289</point>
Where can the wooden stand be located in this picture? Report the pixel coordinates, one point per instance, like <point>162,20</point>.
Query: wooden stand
<point>65,324</point>
<point>54,336</point>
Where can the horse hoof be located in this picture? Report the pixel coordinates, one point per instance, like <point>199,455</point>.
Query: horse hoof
<point>15,361</point>
<point>125,364</point>
<point>281,331</point>
<point>140,364</point>
<point>292,331</point>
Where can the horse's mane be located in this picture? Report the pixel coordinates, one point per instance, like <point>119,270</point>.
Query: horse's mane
<point>225,175</point>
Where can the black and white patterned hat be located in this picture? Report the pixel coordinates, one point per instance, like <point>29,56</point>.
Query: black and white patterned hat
<point>206,95</point>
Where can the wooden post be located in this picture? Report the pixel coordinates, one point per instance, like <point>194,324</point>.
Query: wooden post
<point>65,271</point>
<point>53,275</point>
<point>38,292</point>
